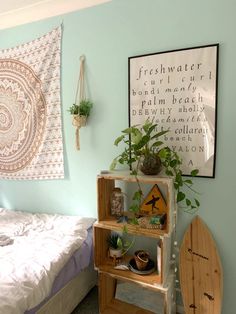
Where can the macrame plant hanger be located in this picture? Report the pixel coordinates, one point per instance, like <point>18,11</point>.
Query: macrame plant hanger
<point>78,120</point>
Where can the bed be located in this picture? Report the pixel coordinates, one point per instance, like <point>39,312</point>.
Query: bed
<point>46,262</point>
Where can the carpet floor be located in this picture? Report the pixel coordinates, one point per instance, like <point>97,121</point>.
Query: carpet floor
<point>89,304</point>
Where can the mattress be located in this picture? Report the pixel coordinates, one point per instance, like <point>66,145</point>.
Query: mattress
<point>41,245</point>
<point>80,260</point>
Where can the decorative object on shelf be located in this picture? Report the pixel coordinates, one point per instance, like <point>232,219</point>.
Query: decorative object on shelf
<point>151,165</point>
<point>200,261</point>
<point>153,203</point>
<point>150,268</point>
<point>118,246</point>
<point>155,222</point>
<point>179,88</point>
<point>141,259</point>
<point>80,110</point>
<point>115,243</point>
<point>143,141</point>
<point>117,202</point>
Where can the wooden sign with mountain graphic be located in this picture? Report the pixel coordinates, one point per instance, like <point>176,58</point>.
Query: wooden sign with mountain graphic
<point>154,203</point>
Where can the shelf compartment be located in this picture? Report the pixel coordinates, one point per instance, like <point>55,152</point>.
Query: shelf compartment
<point>104,263</point>
<point>106,184</point>
<point>109,304</point>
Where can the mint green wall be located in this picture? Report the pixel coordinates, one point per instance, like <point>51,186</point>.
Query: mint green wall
<point>108,35</point>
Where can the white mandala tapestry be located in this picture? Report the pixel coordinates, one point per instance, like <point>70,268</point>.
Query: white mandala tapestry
<point>30,111</point>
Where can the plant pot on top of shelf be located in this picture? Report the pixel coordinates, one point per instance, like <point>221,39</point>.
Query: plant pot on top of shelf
<point>151,164</point>
<point>144,150</point>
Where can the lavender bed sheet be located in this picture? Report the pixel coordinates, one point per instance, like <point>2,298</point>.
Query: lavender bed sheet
<point>79,261</point>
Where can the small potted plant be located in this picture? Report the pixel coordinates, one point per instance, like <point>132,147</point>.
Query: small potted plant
<point>81,112</point>
<point>115,243</point>
<point>144,150</point>
<point>80,115</point>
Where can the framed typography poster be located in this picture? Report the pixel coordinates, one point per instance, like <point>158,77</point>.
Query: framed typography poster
<point>178,91</point>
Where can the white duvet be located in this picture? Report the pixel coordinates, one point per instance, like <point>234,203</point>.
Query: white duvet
<point>41,245</point>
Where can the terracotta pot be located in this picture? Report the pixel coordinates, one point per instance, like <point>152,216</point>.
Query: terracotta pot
<point>141,258</point>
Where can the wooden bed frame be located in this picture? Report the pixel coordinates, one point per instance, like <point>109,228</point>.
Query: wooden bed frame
<point>65,301</point>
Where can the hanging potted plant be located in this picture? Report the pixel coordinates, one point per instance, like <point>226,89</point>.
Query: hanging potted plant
<point>144,151</point>
<point>80,110</point>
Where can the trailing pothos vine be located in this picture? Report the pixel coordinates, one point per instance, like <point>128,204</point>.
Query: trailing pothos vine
<point>143,147</point>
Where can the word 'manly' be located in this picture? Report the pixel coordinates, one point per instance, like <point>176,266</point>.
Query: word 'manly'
<point>152,91</point>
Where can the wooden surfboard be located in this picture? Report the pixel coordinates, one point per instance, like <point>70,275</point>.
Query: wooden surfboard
<point>201,276</point>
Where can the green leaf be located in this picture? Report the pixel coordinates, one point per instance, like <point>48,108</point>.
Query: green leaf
<point>144,140</point>
<point>134,208</point>
<point>188,202</point>
<point>173,163</point>
<point>159,134</point>
<point>180,196</point>
<point>158,143</point>
<point>136,136</point>
<point>147,125</point>
<point>134,221</point>
<point>188,181</point>
<point>179,179</point>
<point>169,173</point>
<point>194,172</point>
<point>197,202</point>
<point>113,164</point>
<point>176,185</point>
<point>151,128</point>
<point>119,243</point>
<point>121,161</point>
<point>162,153</point>
<point>118,140</point>
<point>137,195</point>
<point>128,130</point>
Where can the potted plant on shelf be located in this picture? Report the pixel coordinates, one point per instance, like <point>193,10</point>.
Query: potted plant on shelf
<point>117,244</point>
<point>144,151</point>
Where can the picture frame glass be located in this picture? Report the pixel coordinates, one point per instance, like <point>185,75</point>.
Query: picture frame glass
<point>178,91</point>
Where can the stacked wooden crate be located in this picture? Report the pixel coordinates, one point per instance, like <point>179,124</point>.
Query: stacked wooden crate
<point>161,281</point>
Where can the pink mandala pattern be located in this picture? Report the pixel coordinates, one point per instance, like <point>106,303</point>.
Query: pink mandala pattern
<point>22,115</point>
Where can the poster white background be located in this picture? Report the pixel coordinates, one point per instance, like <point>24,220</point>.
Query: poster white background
<point>177,90</point>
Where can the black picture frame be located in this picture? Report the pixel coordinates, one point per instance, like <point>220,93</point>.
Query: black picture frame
<point>177,89</point>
